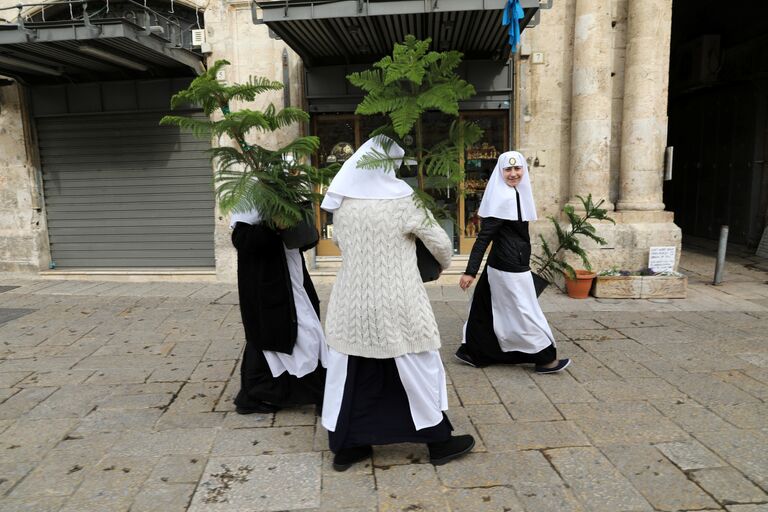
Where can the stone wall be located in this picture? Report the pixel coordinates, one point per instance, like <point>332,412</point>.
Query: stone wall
<point>250,50</point>
<point>551,108</point>
<point>23,239</point>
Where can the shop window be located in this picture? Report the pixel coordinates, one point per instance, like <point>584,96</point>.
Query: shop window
<point>341,135</point>
<point>478,166</point>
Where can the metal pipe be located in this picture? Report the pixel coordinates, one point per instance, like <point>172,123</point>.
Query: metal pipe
<point>720,264</point>
<point>286,80</point>
<point>512,107</point>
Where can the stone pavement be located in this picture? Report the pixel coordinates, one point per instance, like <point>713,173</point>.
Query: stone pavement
<point>117,396</point>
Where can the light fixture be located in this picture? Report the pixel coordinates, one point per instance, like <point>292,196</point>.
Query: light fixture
<point>111,57</point>
<point>29,66</point>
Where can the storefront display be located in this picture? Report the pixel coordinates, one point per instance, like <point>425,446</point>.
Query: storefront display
<point>341,135</point>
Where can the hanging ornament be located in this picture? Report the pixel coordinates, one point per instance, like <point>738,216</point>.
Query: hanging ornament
<point>513,13</point>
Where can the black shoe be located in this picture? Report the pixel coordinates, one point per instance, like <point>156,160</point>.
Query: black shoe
<point>446,451</point>
<point>561,365</point>
<point>343,460</point>
<point>465,358</point>
<point>260,407</point>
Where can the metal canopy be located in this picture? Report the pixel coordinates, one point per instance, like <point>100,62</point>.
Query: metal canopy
<point>89,50</point>
<point>331,32</point>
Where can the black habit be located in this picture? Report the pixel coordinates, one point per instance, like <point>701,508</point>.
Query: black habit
<point>511,252</point>
<point>269,318</point>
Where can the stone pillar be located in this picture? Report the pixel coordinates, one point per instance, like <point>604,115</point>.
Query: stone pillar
<point>23,240</point>
<point>644,120</point>
<point>591,103</point>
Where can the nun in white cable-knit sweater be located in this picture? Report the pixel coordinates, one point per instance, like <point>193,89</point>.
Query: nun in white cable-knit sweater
<point>385,380</point>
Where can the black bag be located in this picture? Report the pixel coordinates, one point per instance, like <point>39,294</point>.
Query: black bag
<point>302,236</point>
<point>539,283</point>
<point>429,268</point>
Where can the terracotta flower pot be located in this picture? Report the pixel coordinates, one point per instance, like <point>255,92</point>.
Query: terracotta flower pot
<point>579,288</point>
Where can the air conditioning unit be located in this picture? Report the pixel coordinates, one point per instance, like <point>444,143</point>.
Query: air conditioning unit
<point>198,37</point>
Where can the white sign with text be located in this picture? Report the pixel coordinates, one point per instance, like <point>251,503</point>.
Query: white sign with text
<point>662,259</point>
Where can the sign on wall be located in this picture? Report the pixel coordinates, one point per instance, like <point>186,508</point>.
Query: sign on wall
<point>662,259</point>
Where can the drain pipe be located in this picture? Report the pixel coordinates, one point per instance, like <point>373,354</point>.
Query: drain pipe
<point>720,264</point>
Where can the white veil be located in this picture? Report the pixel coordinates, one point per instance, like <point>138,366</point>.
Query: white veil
<point>356,183</point>
<point>500,200</point>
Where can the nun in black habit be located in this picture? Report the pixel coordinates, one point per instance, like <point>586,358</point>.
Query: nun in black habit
<point>506,324</point>
<point>280,310</point>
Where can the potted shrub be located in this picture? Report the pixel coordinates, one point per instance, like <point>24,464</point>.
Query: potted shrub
<point>279,183</point>
<point>403,86</point>
<point>642,284</point>
<point>552,262</point>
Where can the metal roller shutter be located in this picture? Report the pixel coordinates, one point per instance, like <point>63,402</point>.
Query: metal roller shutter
<point>122,191</point>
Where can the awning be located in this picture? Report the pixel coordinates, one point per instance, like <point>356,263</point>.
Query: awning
<point>332,32</point>
<point>90,50</point>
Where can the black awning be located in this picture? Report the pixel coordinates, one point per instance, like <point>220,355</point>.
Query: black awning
<point>333,32</point>
<point>91,50</point>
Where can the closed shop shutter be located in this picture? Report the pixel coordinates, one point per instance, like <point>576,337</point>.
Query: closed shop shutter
<point>122,191</point>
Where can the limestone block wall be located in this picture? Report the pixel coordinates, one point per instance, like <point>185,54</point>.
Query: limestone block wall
<point>555,70</point>
<point>23,238</point>
<point>251,52</point>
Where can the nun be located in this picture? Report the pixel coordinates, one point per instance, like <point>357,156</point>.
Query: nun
<point>386,382</point>
<point>506,324</point>
<point>284,347</point>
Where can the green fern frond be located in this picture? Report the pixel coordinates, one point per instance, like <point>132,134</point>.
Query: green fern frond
<point>200,128</point>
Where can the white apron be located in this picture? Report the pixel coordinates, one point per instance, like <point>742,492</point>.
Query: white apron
<point>518,322</point>
<point>310,344</point>
<point>422,376</point>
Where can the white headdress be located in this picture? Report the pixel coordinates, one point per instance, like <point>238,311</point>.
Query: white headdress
<point>379,183</point>
<point>500,200</point>
<point>250,217</point>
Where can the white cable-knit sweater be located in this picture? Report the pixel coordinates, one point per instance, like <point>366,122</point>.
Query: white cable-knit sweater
<point>379,307</point>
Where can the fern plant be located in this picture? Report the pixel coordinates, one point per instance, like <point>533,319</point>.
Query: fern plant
<point>551,263</point>
<point>404,86</point>
<point>278,183</point>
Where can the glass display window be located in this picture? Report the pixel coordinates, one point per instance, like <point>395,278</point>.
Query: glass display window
<point>479,161</point>
<point>338,141</point>
<point>341,134</point>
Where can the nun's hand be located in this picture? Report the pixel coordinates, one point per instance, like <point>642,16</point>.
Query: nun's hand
<point>466,281</point>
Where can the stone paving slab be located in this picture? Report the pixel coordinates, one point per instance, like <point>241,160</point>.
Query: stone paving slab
<point>118,396</point>
<point>661,483</point>
<point>268,482</point>
<point>8,314</point>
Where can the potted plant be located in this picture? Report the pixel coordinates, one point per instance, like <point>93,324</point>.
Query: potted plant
<point>403,86</point>
<point>641,284</point>
<point>278,183</point>
<point>552,263</point>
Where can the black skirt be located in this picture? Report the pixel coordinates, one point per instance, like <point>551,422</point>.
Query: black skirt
<point>482,345</point>
<point>375,410</point>
<point>257,383</point>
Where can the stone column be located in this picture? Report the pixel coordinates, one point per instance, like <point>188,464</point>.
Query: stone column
<point>591,103</point>
<point>644,121</point>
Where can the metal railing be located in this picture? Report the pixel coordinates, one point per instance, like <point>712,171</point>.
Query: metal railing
<point>153,21</point>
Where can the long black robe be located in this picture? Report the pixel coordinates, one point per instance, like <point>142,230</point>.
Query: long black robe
<point>511,252</point>
<point>375,410</point>
<point>269,318</point>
